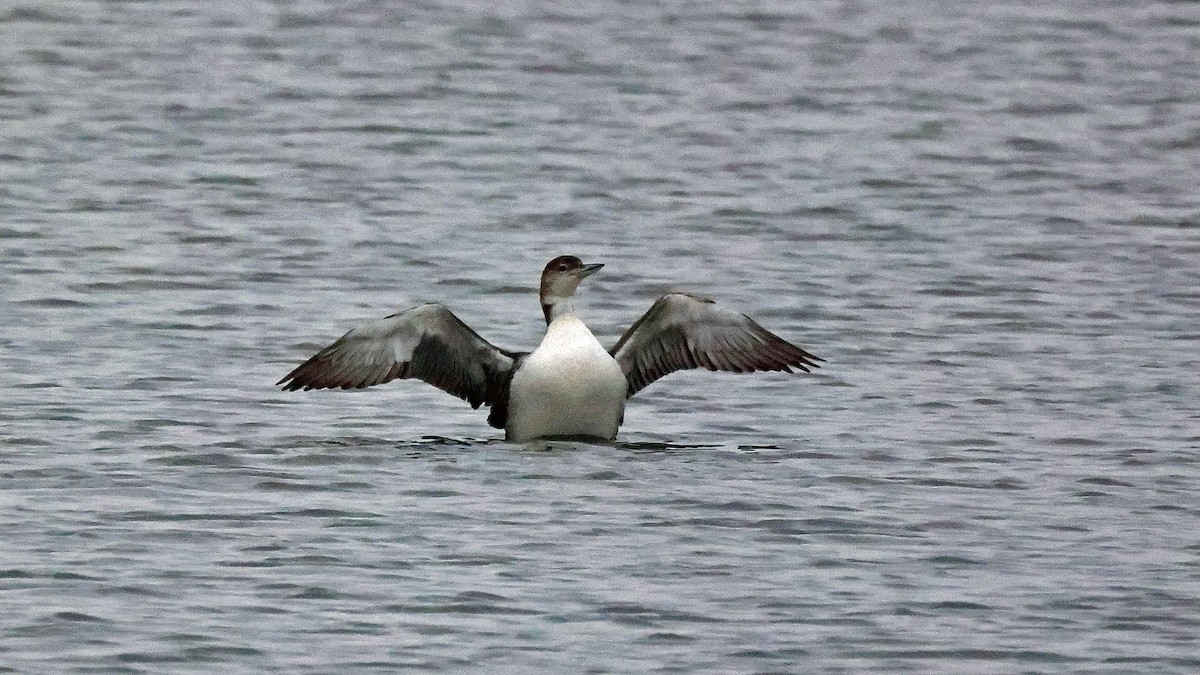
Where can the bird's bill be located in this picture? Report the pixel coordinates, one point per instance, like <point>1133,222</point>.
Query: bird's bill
<point>588,270</point>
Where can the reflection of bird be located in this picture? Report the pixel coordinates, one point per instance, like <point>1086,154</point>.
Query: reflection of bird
<point>570,385</point>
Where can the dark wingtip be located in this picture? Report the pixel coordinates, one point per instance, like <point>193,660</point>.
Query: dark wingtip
<point>291,381</point>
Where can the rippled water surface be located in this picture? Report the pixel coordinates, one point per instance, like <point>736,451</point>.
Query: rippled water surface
<point>985,216</point>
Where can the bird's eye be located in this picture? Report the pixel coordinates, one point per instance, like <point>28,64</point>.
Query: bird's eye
<point>562,267</point>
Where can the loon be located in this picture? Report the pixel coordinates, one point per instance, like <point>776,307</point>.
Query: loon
<point>570,386</point>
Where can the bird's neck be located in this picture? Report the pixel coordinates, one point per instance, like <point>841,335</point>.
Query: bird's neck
<point>556,306</point>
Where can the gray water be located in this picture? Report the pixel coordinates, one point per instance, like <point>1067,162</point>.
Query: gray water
<point>985,215</point>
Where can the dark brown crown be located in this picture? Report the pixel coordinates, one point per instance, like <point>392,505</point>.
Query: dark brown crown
<point>563,263</point>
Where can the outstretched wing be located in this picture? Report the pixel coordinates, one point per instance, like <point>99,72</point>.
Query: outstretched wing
<point>680,331</point>
<point>426,342</point>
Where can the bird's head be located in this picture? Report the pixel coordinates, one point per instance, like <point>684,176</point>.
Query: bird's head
<point>560,278</point>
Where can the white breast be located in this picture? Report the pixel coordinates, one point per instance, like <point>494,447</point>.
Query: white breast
<point>568,386</point>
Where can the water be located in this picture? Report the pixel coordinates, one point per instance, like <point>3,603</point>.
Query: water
<point>984,215</point>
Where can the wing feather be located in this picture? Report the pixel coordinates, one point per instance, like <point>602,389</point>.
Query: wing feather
<point>680,331</point>
<point>427,342</point>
